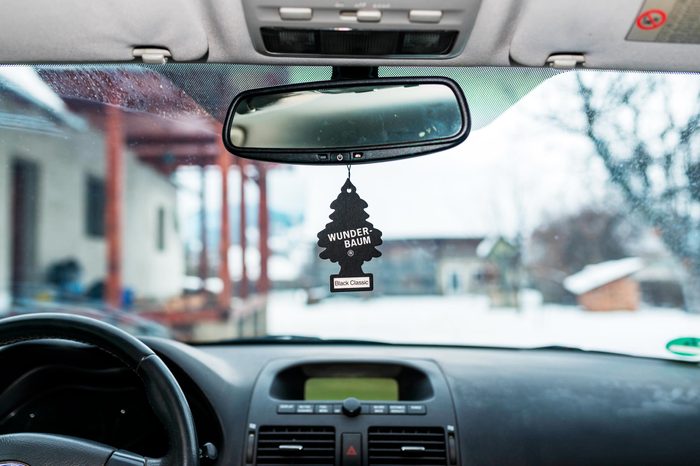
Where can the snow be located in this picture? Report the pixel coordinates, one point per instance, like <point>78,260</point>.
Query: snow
<point>597,275</point>
<point>25,80</point>
<point>27,83</point>
<point>469,320</point>
<point>486,246</point>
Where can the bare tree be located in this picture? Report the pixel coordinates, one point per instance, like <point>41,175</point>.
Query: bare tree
<point>568,243</point>
<point>644,128</point>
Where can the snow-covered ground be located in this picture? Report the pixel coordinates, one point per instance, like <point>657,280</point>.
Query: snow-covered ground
<point>469,320</point>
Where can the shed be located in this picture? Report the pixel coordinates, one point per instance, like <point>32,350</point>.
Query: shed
<point>607,286</point>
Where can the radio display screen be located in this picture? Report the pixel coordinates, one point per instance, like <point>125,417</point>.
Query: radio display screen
<point>362,388</point>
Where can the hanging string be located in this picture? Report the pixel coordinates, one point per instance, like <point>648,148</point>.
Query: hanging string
<point>349,170</point>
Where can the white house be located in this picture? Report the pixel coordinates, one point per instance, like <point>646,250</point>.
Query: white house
<point>52,172</point>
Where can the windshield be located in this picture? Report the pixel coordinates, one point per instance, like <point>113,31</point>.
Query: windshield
<point>570,216</point>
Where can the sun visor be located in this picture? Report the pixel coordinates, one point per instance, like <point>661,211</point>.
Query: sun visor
<point>643,34</point>
<point>99,31</point>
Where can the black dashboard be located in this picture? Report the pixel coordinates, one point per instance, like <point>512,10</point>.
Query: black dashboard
<point>447,406</point>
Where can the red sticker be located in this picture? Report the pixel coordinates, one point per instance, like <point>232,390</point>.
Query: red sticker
<point>651,19</point>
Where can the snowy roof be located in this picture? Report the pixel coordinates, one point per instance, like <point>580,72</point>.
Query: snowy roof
<point>486,246</point>
<point>26,83</point>
<point>596,275</point>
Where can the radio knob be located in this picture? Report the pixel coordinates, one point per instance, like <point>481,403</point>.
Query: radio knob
<point>352,407</point>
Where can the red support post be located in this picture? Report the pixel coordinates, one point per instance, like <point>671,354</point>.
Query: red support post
<point>225,232</point>
<point>243,226</point>
<point>114,190</point>
<point>204,253</point>
<point>264,227</point>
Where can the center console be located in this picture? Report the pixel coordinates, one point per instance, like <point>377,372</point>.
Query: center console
<point>351,413</point>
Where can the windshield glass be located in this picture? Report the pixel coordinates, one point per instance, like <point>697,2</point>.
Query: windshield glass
<point>569,217</point>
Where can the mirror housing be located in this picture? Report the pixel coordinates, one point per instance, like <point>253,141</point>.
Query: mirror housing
<point>347,121</point>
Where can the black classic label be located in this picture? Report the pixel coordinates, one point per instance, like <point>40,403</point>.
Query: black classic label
<point>350,240</point>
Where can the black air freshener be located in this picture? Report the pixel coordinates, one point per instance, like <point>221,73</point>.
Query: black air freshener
<point>350,240</point>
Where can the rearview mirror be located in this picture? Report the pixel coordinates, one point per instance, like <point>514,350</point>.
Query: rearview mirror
<point>347,121</point>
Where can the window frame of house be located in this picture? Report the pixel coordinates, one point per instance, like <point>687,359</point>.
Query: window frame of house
<point>161,218</point>
<point>95,206</point>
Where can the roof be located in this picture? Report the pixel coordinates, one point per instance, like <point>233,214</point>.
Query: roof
<point>26,84</point>
<point>495,244</point>
<point>597,275</point>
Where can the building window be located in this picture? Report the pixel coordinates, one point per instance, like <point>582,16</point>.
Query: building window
<point>95,207</point>
<point>160,231</point>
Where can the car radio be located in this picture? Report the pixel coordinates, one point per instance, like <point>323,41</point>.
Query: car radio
<point>351,413</point>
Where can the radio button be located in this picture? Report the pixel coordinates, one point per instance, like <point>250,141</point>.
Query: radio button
<point>379,409</point>
<point>305,409</point>
<point>286,408</point>
<point>397,409</point>
<point>416,409</point>
<point>352,407</point>
<point>324,409</point>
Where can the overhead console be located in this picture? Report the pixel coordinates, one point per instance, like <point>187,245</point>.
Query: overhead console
<point>351,413</point>
<point>410,28</point>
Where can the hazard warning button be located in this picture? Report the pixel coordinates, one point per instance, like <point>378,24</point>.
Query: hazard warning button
<point>352,449</point>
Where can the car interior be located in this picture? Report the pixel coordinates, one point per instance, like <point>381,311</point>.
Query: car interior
<point>216,376</point>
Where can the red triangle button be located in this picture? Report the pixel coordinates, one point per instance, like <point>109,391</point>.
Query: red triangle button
<point>351,451</point>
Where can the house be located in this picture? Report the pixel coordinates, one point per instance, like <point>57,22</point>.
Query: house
<point>52,199</point>
<point>502,270</point>
<point>607,286</point>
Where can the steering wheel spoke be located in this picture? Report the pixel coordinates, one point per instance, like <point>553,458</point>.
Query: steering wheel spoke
<point>58,450</point>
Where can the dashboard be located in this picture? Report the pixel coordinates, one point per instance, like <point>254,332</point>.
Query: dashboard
<point>366,405</point>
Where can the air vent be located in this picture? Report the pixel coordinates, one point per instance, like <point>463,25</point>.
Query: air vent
<point>281,445</point>
<point>424,446</point>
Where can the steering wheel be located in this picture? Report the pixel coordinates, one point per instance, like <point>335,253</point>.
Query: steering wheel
<point>162,390</point>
